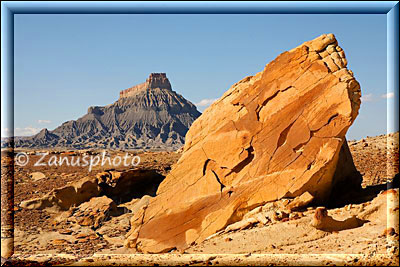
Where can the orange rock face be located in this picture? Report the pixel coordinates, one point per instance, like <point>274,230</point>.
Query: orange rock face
<point>276,134</point>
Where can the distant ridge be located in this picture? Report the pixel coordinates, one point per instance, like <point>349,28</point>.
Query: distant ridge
<point>149,115</point>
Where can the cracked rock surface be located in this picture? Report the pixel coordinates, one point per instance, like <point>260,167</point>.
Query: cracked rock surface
<point>276,134</point>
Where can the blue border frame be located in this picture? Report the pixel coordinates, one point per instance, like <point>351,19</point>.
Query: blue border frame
<point>392,43</point>
<point>8,9</point>
<point>199,7</point>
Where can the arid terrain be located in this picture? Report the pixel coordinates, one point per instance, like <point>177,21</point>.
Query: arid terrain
<point>376,158</point>
<point>265,176</point>
<point>39,232</point>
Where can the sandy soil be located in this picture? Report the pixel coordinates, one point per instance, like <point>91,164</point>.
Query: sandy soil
<point>35,230</point>
<point>294,241</point>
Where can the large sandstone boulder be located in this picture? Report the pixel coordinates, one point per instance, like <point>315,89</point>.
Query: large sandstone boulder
<point>273,135</point>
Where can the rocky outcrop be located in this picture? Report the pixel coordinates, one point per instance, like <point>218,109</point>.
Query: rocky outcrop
<point>94,212</point>
<point>273,135</point>
<point>322,221</point>
<point>118,186</point>
<point>65,197</point>
<point>147,116</point>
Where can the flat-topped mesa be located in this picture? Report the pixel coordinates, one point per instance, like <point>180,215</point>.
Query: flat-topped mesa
<point>155,80</point>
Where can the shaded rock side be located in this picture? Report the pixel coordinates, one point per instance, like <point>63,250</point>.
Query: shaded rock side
<point>273,135</point>
<point>346,178</point>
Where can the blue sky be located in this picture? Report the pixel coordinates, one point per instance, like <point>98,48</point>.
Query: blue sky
<point>66,63</point>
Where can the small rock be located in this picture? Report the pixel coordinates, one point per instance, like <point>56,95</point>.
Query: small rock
<point>261,218</point>
<point>65,231</point>
<point>388,232</point>
<point>81,235</point>
<point>92,237</point>
<point>37,176</point>
<point>300,201</point>
<point>241,225</point>
<point>322,221</point>
<point>58,242</point>
<point>252,212</point>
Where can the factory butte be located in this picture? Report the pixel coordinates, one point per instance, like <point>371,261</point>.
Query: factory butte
<point>149,115</point>
<point>155,80</point>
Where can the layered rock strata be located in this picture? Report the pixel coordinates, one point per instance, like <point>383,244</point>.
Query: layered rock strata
<point>147,116</point>
<point>155,80</point>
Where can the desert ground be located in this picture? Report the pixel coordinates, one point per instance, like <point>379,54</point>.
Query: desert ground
<point>45,236</point>
<point>266,176</point>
